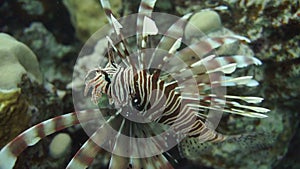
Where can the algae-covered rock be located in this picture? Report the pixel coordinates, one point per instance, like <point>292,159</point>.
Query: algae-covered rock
<point>14,115</point>
<point>16,60</point>
<point>87,17</point>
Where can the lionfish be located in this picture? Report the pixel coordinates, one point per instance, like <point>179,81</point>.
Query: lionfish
<point>156,96</point>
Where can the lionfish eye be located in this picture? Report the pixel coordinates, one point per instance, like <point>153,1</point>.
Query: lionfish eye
<point>136,102</point>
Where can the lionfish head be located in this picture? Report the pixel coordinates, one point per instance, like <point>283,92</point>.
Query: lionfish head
<point>98,79</point>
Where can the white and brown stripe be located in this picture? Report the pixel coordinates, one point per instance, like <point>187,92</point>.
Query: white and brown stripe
<point>31,136</point>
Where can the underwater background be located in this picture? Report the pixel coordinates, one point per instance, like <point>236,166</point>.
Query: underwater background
<point>40,41</point>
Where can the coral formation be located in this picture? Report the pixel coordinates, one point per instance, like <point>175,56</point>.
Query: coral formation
<point>21,88</point>
<point>14,115</point>
<point>16,60</point>
<point>206,21</point>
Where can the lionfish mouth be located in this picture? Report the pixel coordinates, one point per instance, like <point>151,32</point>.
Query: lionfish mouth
<point>156,88</point>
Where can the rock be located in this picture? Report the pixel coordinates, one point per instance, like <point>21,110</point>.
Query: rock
<point>51,53</point>
<point>16,60</point>
<point>13,114</point>
<point>43,42</point>
<point>206,21</point>
<point>87,17</point>
<point>60,145</point>
<point>32,7</point>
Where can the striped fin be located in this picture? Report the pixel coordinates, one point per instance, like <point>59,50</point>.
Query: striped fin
<point>248,99</point>
<point>170,42</point>
<point>143,18</point>
<point>210,70</point>
<point>243,80</point>
<point>85,156</point>
<point>225,64</point>
<point>121,46</point>
<point>31,136</point>
<point>174,33</point>
<point>107,9</point>
<point>233,107</point>
<point>194,56</point>
<point>193,53</point>
<point>158,161</point>
<point>197,51</point>
<point>119,147</point>
<point>149,28</point>
<point>144,147</point>
<point>240,60</point>
<point>145,10</point>
<point>227,69</point>
<point>119,52</point>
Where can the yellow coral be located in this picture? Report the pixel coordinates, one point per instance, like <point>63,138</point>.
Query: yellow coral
<point>13,114</point>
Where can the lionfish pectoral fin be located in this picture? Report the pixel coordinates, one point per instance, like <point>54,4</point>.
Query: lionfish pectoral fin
<point>169,43</point>
<point>232,106</point>
<point>31,136</point>
<point>116,24</point>
<point>143,20</point>
<point>85,155</point>
<point>149,27</point>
